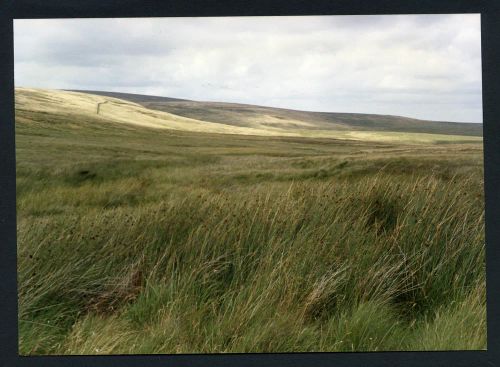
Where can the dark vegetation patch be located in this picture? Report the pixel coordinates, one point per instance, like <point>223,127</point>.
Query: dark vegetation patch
<point>382,212</point>
<point>115,296</point>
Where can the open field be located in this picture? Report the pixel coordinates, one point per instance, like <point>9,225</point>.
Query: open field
<point>137,236</point>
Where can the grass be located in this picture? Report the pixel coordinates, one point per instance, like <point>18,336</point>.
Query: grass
<point>139,240</point>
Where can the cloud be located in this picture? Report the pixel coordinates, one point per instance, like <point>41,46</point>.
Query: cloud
<point>424,66</point>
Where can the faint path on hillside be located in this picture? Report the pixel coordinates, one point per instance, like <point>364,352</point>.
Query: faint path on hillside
<point>99,106</point>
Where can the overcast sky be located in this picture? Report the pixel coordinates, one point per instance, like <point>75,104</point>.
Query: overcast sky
<point>423,66</point>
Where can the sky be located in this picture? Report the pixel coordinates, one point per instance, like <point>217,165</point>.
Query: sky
<point>421,66</point>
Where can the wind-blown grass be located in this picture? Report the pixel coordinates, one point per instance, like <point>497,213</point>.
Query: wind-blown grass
<point>138,241</point>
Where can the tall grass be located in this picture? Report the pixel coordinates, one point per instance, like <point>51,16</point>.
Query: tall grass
<point>344,265</point>
<point>137,241</point>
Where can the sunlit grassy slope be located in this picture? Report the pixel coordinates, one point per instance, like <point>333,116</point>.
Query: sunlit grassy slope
<point>123,111</point>
<point>264,117</point>
<point>134,239</point>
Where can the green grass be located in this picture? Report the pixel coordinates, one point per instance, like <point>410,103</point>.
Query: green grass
<point>134,240</point>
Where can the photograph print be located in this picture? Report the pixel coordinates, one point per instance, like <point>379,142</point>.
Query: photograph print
<point>249,184</point>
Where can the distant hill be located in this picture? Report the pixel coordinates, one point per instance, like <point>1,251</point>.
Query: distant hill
<point>136,98</point>
<point>244,115</point>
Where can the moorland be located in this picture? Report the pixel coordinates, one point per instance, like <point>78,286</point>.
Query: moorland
<point>158,225</point>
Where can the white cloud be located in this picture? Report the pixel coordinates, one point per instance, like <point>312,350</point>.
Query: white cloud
<point>426,66</point>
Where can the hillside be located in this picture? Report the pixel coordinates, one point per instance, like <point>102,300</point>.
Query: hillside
<point>249,120</point>
<point>244,115</point>
<point>112,110</point>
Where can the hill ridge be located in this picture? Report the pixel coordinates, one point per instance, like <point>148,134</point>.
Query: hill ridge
<point>247,115</point>
<point>151,98</point>
<point>227,118</point>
